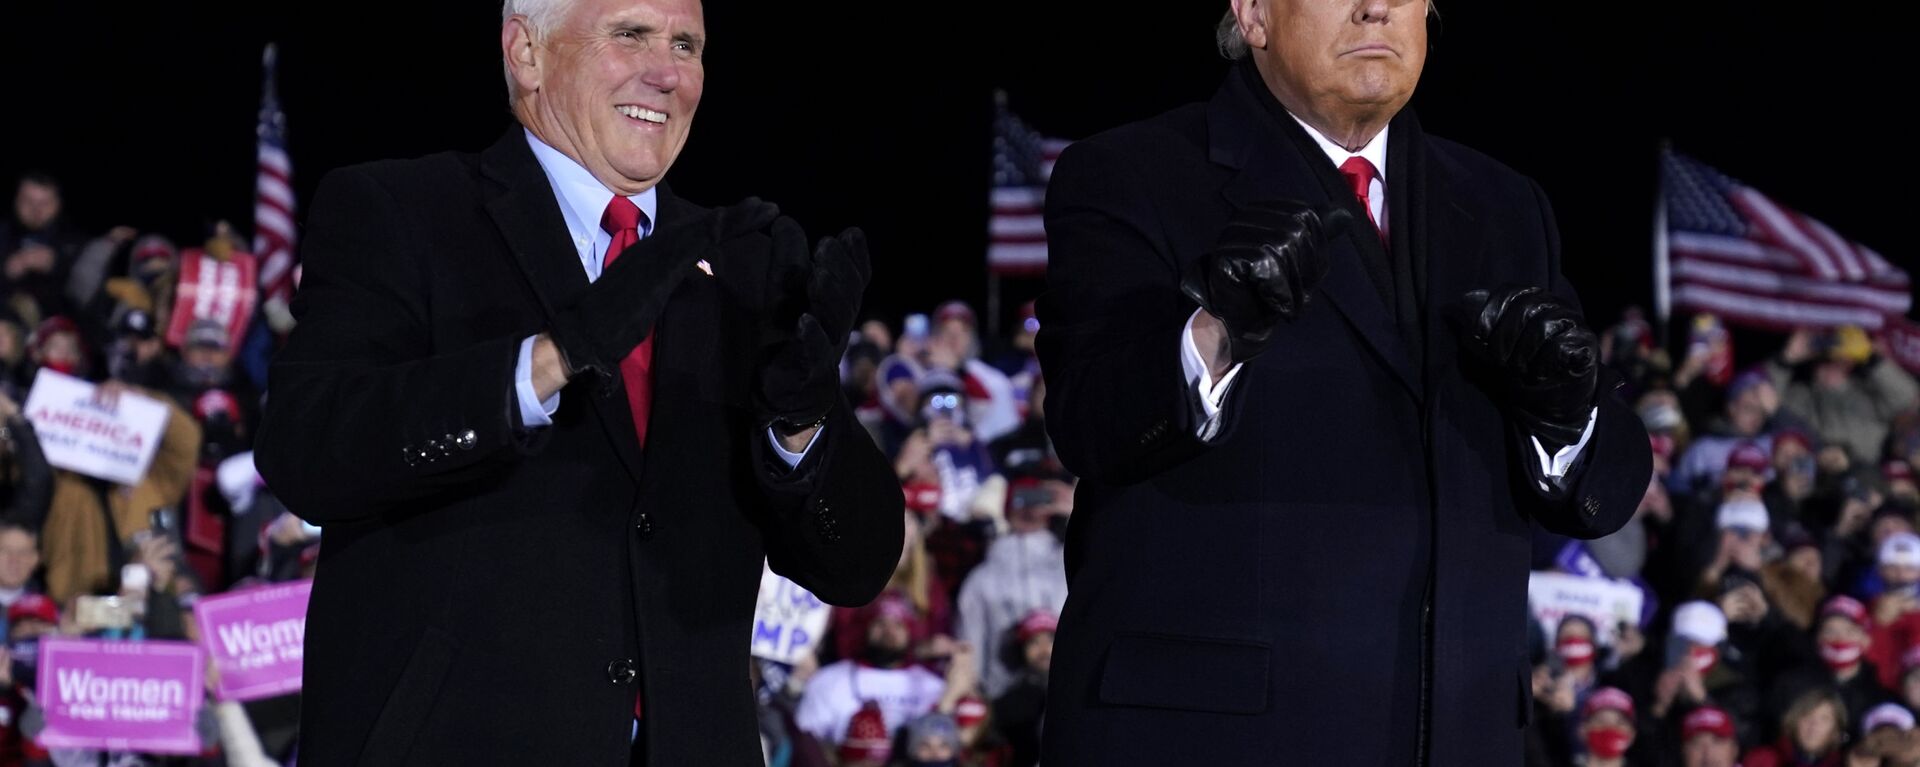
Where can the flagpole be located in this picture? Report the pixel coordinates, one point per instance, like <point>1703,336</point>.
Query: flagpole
<point>1662,264</point>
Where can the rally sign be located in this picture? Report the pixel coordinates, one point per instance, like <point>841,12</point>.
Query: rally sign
<point>1604,601</point>
<point>121,696</point>
<point>211,288</point>
<point>788,622</point>
<point>257,639</point>
<point>79,434</point>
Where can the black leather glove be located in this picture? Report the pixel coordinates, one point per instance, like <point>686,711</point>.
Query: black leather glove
<point>1262,270</point>
<point>618,311</point>
<point>1543,360</point>
<point>800,381</point>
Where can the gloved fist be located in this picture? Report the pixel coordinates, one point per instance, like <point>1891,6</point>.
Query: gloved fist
<point>801,380</point>
<point>1262,270</point>
<point>1542,358</point>
<point>618,311</point>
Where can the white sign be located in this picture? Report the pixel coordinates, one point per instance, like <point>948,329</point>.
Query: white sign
<point>79,434</point>
<point>788,622</point>
<point>1603,601</point>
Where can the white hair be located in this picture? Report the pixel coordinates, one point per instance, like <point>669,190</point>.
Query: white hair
<point>1232,44</point>
<point>541,15</point>
<point>1226,37</point>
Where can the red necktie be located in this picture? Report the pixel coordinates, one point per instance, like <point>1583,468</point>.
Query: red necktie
<point>1360,175</point>
<point>622,221</point>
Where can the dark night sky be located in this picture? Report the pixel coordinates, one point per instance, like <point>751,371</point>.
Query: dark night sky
<point>879,114</point>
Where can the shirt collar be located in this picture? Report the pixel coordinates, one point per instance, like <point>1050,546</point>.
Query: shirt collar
<point>582,197</point>
<point>1375,151</point>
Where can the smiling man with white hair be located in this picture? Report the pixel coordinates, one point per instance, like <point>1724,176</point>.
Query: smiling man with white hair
<point>554,417</point>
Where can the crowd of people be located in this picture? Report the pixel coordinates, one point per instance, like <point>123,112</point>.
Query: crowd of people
<point>949,664</point>
<point>1775,551</point>
<point>1776,555</point>
<point>86,557</point>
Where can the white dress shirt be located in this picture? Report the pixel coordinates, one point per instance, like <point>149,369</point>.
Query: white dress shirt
<point>1213,393</point>
<point>583,199</point>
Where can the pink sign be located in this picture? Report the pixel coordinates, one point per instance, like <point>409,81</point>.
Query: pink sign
<point>120,695</point>
<point>257,638</point>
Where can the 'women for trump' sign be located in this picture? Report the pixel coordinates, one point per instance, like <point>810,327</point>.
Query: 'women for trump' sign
<point>257,638</point>
<point>120,695</point>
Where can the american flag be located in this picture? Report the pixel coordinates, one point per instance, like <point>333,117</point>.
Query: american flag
<point>273,234</point>
<point>1022,162</point>
<point>1737,253</point>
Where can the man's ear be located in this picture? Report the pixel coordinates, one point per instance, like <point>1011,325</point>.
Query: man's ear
<point>521,54</point>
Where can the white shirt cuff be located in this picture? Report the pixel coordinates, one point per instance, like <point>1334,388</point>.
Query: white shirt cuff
<point>534,413</point>
<point>1212,393</point>
<point>1554,467</point>
<point>793,459</point>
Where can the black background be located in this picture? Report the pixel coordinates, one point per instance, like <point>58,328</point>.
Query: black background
<point>880,114</point>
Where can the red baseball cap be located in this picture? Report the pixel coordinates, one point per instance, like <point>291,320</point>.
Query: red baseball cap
<point>1749,456</point>
<point>1041,621</point>
<point>1707,719</point>
<point>33,606</point>
<point>1847,607</point>
<point>1608,698</point>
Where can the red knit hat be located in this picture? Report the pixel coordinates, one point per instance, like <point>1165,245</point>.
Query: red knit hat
<point>866,736</point>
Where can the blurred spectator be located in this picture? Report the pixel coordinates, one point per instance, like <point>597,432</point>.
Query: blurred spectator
<point>897,382</point>
<point>28,619</point>
<point>1706,739</point>
<point>1885,737</point>
<point>37,247</point>
<point>954,347</point>
<point>92,522</point>
<point>1836,381</point>
<point>19,557</point>
<point>1020,709</point>
<point>16,367</point>
<point>880,675</point>
<point>1691,671</point>
<point>1812,732</point>
<point>1900,482</point>
<point>1021,364</point>
<point>1843,641</point>
<point>1028,451</point>
<point>932,740</point>
<point>1751,404</point>
<point>1024,570</point>
<point>56,345</point>
<point>26,480</point>
<point>915,579</point>
<point>1607,727</point>
<point>1760,643</point>
<point>1740,524</point>
<point>1794,583</point>
<point>1794,473</point>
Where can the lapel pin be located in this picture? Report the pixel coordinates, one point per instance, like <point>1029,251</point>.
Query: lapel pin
<point>705,267</point>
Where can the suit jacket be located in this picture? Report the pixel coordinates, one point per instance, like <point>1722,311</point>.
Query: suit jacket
<point>491,596</point>
<point>1340,577</point>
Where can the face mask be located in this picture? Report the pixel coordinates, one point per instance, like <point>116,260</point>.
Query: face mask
<point>200,377</point>
<point>1840,654</point>
<point>1703,658</point>
<point>1608,742</point>
<point>941,763</point>
<point>1575,651</point>
<point>66,368</point>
